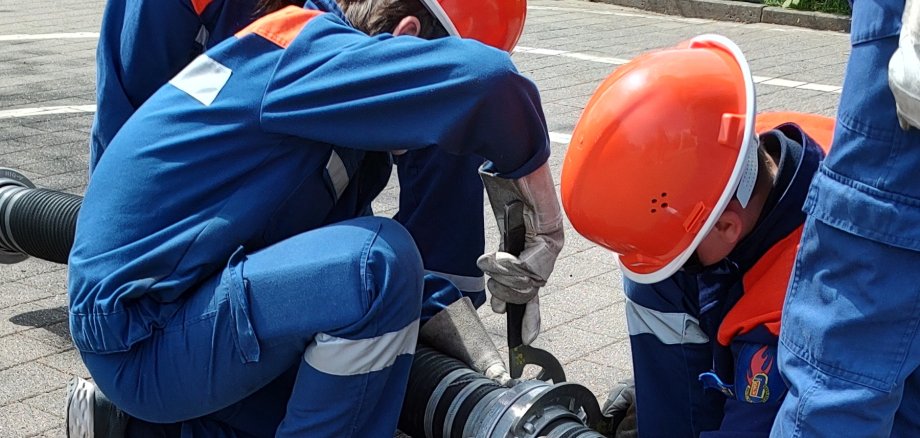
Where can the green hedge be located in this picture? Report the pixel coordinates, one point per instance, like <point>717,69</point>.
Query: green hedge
<point>831,6</point>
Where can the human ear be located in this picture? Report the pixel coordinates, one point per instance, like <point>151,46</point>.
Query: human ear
<point>408,26</point>
<point>728,227</point>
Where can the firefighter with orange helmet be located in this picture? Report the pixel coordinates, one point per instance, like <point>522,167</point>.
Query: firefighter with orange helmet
<point>666,168</point>
<point>223,240</point>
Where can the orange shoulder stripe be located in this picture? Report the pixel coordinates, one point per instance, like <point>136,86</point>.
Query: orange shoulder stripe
<point>281,27</point>
<point>199,5</point>
<point>764,291</point>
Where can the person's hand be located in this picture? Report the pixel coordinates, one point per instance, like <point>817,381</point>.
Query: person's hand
<point>517,279</point>
<point>904,68</point>
<point>620,406</point>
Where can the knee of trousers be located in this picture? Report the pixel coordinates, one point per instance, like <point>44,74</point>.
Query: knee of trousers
<point>394,266</point>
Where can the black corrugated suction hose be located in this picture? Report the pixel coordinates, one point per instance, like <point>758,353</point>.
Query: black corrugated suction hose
<point>38,222</point>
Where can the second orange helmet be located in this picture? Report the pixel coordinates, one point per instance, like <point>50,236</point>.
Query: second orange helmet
<point>661,148</point>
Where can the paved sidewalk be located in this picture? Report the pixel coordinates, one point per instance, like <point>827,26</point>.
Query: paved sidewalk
<point>47,67</point>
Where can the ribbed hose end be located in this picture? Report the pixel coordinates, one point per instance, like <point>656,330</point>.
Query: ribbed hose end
<point>41,223</point>
<point>35,222</point>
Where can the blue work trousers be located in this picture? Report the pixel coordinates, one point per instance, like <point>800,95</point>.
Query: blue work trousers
<point>850,338</point>
<point>850,341</point>
<point>338,306</point>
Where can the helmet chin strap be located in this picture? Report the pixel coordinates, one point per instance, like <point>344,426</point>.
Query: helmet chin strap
<point>748,178</point>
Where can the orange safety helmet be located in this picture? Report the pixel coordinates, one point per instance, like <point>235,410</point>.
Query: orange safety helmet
<point>661,148</point>
<point>498,23</point>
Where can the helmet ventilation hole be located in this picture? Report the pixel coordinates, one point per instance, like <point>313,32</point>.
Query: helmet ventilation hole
<point>655,203</point>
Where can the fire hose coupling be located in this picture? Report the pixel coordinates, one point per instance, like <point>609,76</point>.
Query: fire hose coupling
<point>12,184</point>
<point>35,222</point>
<point>446,399</point>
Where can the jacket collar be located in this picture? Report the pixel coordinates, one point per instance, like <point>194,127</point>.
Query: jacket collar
<point>799,158</point>
<point>329,6</point>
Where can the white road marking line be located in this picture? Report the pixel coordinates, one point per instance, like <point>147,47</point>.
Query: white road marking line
<point>573,55</point>
<point>785,83</point>
<point>43,111</point>
<point>560,137</point>
<point>49,36</point>
<point>822,87</point>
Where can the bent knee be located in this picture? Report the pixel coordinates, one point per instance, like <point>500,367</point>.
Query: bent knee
<point>393,261</point>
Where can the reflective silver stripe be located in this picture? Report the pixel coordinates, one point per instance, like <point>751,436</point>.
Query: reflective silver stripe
<point>348,357</point>
<point>202,79</point>
<point>669,328</point>
<point>464,283</point>
<point>338,174</point>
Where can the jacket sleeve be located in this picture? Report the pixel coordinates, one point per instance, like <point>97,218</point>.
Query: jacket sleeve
<point>336,85</point>
<point>759,388</point>
<point>157,39</point>
<point>441,204</point>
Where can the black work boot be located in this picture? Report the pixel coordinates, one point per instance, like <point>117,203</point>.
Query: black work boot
<point>90,414</point>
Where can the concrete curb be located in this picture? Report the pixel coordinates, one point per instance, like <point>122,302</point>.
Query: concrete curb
<point>742,11</point>
<point>811,20</point>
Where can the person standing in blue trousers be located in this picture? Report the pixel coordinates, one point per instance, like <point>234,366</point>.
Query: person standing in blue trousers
<point>850,339</point>
<point>218,243</point>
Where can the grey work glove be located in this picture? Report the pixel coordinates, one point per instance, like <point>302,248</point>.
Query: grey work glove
<point>517,279</point>
<point>904,68</point>
<point>621,406</point>
<point>458,332</point>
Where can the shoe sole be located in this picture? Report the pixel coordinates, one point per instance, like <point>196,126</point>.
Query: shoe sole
<point>81,401</point>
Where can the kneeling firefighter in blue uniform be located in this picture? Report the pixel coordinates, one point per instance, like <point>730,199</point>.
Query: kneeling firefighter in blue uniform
<point>218,247</point>
<point>850,341</point>
<point>667,170</point>
<point>137,55</point>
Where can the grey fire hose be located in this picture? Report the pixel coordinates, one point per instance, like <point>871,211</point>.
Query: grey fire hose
<point>445,398</point>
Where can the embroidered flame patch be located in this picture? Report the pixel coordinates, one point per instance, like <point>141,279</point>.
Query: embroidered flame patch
<point>757,390</point>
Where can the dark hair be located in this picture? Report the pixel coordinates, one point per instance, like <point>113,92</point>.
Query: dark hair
<point>380,16</point>
<point>373,16</point>
<point>265,7</point>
